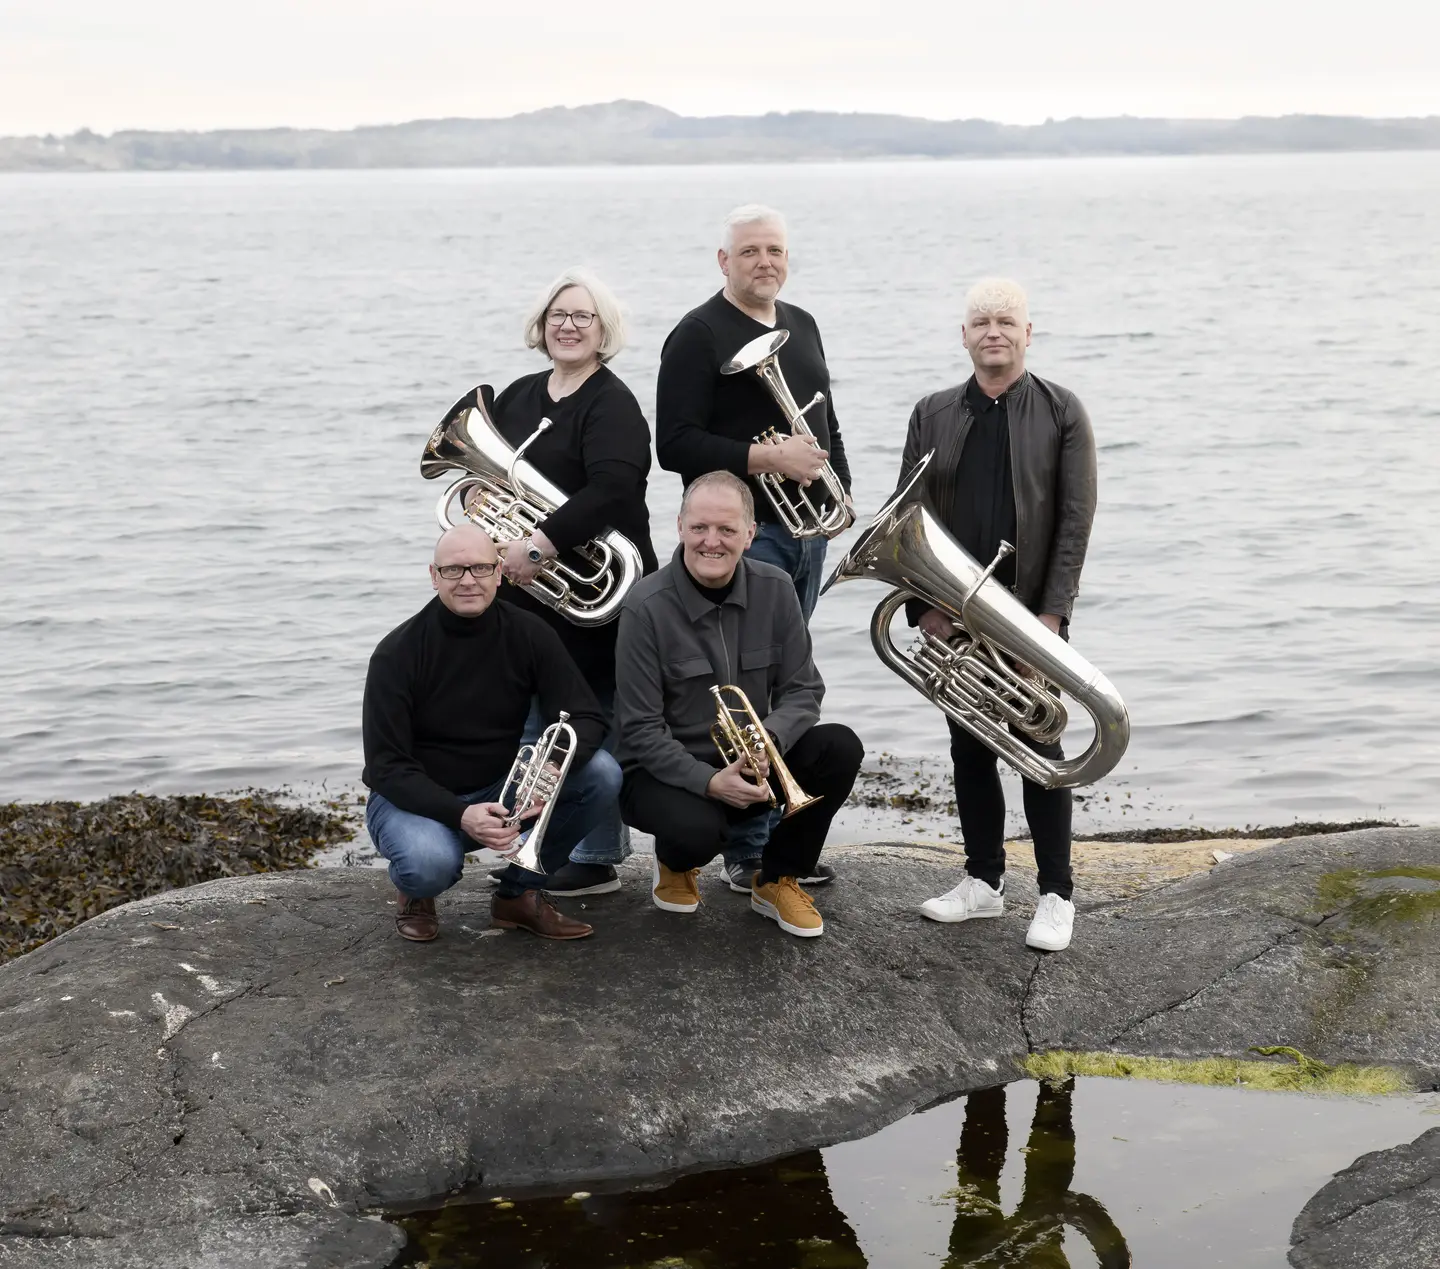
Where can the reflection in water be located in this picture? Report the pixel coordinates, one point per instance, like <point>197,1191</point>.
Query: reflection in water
<point>1033,1234</point>
<point>777,1216</point>
<point>782,1215</point>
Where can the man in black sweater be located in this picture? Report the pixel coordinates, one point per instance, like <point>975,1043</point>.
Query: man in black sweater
<point>706,421</point>
<point>446,699</point>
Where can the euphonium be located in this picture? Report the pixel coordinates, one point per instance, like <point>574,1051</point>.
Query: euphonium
<point>533,781</point>
<point>798,514</point>
<point>738,733</point>
<point>508,498</point>
<point>973,678</point>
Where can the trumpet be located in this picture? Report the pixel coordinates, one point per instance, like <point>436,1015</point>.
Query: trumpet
<point>973,678</point>
<point>738,733</point>
<point>508,498</point>
<point>798,513</point>
<point>534,781</point>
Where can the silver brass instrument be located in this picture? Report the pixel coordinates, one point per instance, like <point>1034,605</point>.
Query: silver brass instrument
<point>798,513</point>
<point>508,498</point>
<point>534,782</point>
<point>738,733</point>
<point>973,678</point>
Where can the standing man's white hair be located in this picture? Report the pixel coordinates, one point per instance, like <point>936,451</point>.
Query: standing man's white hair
<point>997,295</point>
<point>748,214</point>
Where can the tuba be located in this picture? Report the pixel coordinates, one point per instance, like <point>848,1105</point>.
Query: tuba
<point>798,513</point>
<point>508,498</point>
<point>533,781</point>
<point>738,733</point>
<point>973,678</point>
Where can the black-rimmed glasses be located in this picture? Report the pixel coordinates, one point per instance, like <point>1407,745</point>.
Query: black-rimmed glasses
<point>557,316</point>
<point>454,572</point>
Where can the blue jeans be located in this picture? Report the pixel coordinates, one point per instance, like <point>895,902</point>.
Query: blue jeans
<point>427,857</point>
<point>609,841</point>
<point>802,558</point>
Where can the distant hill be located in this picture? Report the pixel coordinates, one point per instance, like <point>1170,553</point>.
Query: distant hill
<point>635,132</point>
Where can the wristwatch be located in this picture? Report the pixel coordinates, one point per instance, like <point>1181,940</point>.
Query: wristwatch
<point>532,552</point>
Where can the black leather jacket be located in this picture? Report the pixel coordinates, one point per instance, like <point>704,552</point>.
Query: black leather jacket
<point>1052,457</point>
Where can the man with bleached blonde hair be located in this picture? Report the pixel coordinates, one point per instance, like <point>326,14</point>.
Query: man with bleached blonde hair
<point>1014,462</point>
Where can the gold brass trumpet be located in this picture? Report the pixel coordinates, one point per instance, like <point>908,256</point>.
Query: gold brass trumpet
<point>738,733</point>
<point>508,498</point>
<point>973,678</point>
<point>534,781</point>
<point>798,514</point>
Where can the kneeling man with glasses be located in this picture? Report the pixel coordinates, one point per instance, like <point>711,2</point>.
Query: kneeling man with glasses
<point>446,701</point>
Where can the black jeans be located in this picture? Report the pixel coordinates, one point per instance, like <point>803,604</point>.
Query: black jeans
<point>981,803</point>
<point>690,830</point>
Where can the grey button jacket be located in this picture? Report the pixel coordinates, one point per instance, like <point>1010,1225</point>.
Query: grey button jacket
<point>674,644</point>
<point>1052,457</point>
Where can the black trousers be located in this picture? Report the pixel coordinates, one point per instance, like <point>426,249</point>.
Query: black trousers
<point>690,830</point>
<point>981,802</point>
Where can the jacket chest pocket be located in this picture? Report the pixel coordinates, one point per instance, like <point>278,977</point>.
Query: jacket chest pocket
<point>759,663</point>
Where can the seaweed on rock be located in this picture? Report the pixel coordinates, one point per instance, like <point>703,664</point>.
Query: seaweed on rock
<point>64,862</point>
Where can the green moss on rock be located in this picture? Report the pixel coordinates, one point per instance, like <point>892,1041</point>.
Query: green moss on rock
<point>1298,1074</point>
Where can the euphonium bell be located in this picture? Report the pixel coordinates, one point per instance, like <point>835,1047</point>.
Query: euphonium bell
<point>974,678</point>
<point>508,498</point>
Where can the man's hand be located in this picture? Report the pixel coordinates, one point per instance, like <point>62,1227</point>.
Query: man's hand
<point>798,458</point>
<point>484,823</point>
<point>937,624</point>
<point>734,788</point>
<point>1052,621</point>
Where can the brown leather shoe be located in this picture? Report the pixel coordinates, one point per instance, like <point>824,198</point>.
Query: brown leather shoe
<point>534,912</point>
<point>415,919</point>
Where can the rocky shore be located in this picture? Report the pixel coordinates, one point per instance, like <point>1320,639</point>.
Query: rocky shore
<point>247,1070</point>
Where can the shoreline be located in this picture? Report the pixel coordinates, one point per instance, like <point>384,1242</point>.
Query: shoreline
<point>63,862</point>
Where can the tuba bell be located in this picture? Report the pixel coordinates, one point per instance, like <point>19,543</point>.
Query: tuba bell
<point>508,498</point>
<point>973,678</point>
<point>798,513</point>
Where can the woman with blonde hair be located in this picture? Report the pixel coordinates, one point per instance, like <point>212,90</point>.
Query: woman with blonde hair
<point>597,450</point>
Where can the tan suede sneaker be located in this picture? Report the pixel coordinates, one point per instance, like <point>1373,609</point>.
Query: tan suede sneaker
<point>786,904</point>
<point>674,891</point>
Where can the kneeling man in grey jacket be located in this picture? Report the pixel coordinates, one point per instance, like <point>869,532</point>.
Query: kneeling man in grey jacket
<point>713,616</point>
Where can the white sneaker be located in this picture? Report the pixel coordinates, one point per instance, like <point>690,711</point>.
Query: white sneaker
<point>971,898</point>
<point>1054,920</point>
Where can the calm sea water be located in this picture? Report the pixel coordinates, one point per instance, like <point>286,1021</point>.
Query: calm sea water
<point>216,388</point>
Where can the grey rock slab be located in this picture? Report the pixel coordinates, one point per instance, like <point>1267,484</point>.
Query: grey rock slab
<point>1382,1212</point>
<point>250,1052</point>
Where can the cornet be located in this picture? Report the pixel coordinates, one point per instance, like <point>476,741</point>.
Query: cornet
<point>973,678</point>
<point>738,733</point>
<point>798,514</point>
<point>508,498</point>
<point>533,781</point>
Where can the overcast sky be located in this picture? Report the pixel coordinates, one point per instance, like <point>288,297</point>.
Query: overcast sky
<point>110,64</point>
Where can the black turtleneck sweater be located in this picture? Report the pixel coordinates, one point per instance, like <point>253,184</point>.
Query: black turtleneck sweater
<point>446,699</point>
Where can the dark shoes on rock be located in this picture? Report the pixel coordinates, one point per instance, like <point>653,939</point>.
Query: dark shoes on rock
<point>574,879</point>
<point>534,912</point>
<point>738,875</point>
<point>415,919</point>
